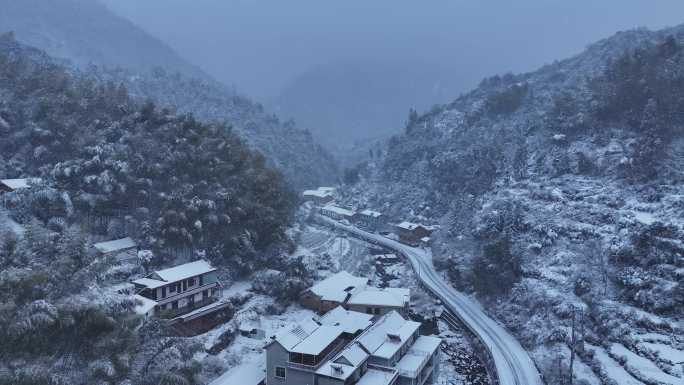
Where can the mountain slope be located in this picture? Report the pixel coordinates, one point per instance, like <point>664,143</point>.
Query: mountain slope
<point>177,183</point>
<point>110,48</point>
<point>85,32</point>
<point>559,194</point>
<point>290,149</point>
<point>360,100</point>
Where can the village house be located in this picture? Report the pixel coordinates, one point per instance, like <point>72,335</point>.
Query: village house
<point>12,185</point>
<point>346,347</point>
<point>372,220</point>
<point>354,293</point>
<point>414,234</point>
<point>180,289</point>
<point>338,213</point>
<point>122,250</point>
<point>320,196</point>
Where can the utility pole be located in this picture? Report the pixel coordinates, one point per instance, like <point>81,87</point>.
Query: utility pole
<point>573,342</point>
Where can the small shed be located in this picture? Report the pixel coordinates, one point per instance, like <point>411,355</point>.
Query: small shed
<point>123,250</point>
<point>10,185</point>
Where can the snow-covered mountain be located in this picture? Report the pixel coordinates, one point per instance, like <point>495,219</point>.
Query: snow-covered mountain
<point>560,193</point>
<point>108,47</point>
<point>85,32</point>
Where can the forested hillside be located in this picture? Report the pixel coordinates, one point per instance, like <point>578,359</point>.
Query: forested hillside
<point>181,183</point>
<point>112,167</point>
<point>85,33</point>
<point>290,149</point>
<point>559,194</point>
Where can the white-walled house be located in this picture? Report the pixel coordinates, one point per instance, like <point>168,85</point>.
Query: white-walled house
<point>180,289</point>
<point>339,213</point>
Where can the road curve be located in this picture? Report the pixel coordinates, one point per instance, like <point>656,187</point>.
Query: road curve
<point>513,365</point>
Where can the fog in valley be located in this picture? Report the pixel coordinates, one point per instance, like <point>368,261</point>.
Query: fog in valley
<point>351,70</point>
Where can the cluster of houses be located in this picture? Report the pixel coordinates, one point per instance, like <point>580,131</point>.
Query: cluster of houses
<point>361,334</point>
<point>362,337</point>
<point>413,234</point>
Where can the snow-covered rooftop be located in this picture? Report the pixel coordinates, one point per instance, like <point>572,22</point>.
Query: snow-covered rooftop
<point>338,210</point>
<point>426,344</point>
<point>409,225</point>
<point>317,341</point>
<point>377,377</point>
<point>145,304</point>
<point>17,184</point>
<point>311,336</point>
<point>115,245</point>
<point>390,297</point>
<point>185,271</point>
<point>150,283</point>
<point>317,193</point>
<point>338,286</point>
<point>351,321</point>
<point>377,339</point>
<point>418,355</point>
<point>290,336</point>
<point>344,287</point>
<point>344,364</point>
<point>371,213</point>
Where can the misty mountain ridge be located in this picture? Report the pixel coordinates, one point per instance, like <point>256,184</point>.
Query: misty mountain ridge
<point>558,191</point>
<point>109,48</point>
<point>86,32</point>
<point>355,100</point>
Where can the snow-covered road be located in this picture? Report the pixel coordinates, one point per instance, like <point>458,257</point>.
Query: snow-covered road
<point>513,365</point>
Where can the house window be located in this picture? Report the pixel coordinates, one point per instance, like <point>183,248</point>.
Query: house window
<point>174,305</point>
<point>205,294</point>
<point>201,280</point>
<point>377,310</point>
<point>369,310</point>
<point>280,372</point>
<point>191,282</point>
<point>164,292</point>
<point>178,287</point>
<point>172,288</point>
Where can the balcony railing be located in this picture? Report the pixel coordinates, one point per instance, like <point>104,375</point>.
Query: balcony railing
<point>386,369</point>
<point>187,293</point>
<point>172,313</point>
<point>312,368</point>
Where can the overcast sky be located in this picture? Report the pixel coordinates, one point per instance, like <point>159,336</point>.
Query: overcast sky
<point>260,45</point>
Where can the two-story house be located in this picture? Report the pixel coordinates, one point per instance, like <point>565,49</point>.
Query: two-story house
<point>413,234</point>
<point>180,289</point>
<point>372,220</point>
<point>320,196</point>
<point>344,348</point>
<point>296,353</point>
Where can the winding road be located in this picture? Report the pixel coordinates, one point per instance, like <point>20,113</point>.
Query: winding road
<point>513,364</point>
